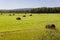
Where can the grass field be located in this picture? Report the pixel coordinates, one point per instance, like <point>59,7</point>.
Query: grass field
<point>29,27</point>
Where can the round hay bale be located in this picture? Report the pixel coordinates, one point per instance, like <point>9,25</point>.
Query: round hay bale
<point>1,13</point>
<point>10,15</point>
<point>50,26</point>
<point>13,14</point>
<point>30,14</point>
<point>24,15</point>
<point>18,18</point>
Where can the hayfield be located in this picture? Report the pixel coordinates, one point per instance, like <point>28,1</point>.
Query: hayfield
<point>29,27</point>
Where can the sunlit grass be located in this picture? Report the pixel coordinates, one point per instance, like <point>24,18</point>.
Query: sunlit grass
<point>29,27</point>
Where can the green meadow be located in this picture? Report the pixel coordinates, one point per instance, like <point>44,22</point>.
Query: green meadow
<point>29,27</point>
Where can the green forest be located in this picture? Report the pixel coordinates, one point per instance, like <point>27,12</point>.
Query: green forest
<point>34,10</point>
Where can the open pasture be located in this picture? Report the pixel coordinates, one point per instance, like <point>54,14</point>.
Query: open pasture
<point>29,27</point>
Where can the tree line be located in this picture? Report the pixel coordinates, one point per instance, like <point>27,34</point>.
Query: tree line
<point>34,10</point>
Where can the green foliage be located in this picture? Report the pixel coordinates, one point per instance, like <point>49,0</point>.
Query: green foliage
<point>34,10</point>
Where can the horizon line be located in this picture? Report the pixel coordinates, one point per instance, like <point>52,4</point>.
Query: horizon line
<point>23,8</point>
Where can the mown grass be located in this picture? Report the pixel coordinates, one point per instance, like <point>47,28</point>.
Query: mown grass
<point>29,27</point>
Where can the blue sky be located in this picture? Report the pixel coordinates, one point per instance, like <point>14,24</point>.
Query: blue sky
<point>14,4</point>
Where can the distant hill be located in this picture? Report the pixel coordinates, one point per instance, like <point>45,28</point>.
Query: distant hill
<point>23,9</point>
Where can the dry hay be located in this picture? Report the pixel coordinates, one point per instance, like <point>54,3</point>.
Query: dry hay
<point>24,15</point>
<point>18,18</point>
<point>30,14</point>
<point>10,15</point>
<point>13,14</point>
<point>50,26</point>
